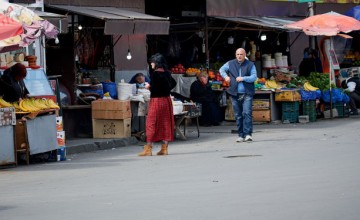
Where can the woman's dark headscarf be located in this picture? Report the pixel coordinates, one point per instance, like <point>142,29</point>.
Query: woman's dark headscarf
<point>159,60</point>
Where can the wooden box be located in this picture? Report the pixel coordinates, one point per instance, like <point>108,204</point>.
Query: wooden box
<point>262,116</point>
<point>261,104</point>
<point>110,109</point>
<point>111,128</point>
<point>287,96</point>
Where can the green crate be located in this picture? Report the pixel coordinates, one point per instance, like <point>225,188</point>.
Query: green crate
<point>290,106</point>
<point>309,108</point>
<point>341,108</point>
<point>291,116</point>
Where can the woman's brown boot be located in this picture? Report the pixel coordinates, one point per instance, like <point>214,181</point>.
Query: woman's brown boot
<point>146,151</point>
<point>164,150</point>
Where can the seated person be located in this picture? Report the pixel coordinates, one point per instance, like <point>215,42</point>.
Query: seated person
<point>352,85</point>
<point>310,63</point>
<point>201,92</point>
<point>141,81</point>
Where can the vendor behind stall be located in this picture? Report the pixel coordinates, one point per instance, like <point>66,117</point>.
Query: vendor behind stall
<point>201,92</point>
<point>12,86</point>
<point>310,63</point>
<point>141,81</point>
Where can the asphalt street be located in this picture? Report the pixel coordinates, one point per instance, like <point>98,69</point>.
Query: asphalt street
<point>290,171</point>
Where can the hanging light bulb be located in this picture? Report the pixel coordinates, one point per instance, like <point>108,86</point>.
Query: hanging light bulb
<point>57,40</point>
<point>278,42</point>
<point>230,40</point>
<point>287,49</point>
<point>34,46</point>
<point>128,56</point>
<point>80,27</point>
<point>263,37</point>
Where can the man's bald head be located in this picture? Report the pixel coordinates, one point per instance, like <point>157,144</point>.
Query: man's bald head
<point>240,54</point>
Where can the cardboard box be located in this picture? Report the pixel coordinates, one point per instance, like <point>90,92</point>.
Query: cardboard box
<point>60,138</point>
<point>262,116</point>
<point>110,109</point>
<point>111,128</point>
<point>287,96</point>
<point>59,123</point>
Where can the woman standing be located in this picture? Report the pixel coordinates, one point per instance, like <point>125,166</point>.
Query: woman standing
<point>160,120</point>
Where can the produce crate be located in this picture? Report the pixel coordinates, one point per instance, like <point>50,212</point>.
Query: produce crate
<point>290,106</point>
<point>309,108</point>
<point>292,117</point>
<point>287,95</point>
<point>259,104</point>
<point>341,108</point>
<point>261,115</point>
<point>290,111</point>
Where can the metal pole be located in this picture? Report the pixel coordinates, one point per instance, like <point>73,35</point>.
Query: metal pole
<point>207,43</point>
<point>311,13</point>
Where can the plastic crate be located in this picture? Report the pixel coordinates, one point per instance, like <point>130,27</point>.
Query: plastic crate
<point>341,108</point>
<point>309,108</point>
<point>291,116</point>
<point>290,106</point>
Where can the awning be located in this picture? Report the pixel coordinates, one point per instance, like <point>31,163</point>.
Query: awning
<point>60,21</point>
<point>263,22</point>
<point>120,21</point>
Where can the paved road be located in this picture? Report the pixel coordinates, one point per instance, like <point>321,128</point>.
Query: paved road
<point>291,171</point>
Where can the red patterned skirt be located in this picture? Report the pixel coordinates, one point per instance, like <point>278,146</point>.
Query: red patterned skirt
<point>160,123</point>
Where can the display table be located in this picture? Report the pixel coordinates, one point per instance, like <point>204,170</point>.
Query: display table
<point>36,135</point>
<point>179,118</point>
<point>7,152</point>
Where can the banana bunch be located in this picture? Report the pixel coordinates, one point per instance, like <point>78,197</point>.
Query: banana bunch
<point>309,87</point>
<point>51,104</point>
<point>271,84</point>
<point>4,103</point>
<point>35,105</point>
<point>27,105</point>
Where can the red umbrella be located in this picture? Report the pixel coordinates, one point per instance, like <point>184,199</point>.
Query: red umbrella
<point>9,27</point>
<point>328,24</point>
<point>33,26</point>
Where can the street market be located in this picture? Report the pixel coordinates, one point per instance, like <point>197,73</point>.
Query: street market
<point>78,71</point>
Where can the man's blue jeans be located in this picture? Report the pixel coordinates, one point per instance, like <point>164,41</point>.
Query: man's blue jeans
<point>242,107</point>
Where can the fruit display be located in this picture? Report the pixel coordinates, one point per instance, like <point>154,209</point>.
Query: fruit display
<point>4,104</point>
<point>30,105</point>
<point>272,84</point>
<point>192,71</point>
<point>309,87</point>
<point>178,69</point>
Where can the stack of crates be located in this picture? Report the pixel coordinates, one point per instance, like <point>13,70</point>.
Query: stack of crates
<point>290,112</point>
<point>342,109</point>
<point>309,108</point>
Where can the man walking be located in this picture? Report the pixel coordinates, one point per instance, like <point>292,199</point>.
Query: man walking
<point>241,74</point>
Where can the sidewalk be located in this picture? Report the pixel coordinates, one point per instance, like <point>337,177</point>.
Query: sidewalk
<point>79,145</point>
